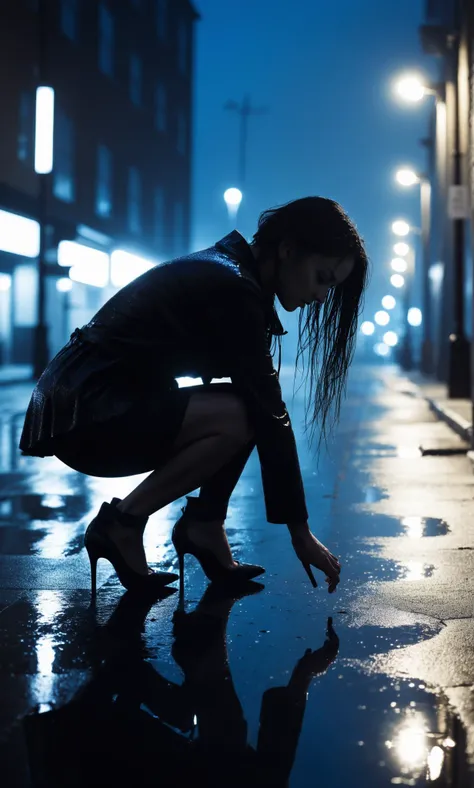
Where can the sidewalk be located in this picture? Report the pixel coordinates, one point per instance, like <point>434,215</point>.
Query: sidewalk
<point>457,413</point>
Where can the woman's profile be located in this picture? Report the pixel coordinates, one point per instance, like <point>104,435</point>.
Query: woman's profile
<point>108,404</point>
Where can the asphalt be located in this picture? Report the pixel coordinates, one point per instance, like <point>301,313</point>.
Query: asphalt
<point>282,684</point>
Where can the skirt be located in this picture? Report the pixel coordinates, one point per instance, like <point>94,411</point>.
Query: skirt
<point>136,442</point>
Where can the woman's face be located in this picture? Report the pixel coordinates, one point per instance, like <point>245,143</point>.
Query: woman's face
<point>308,278</point>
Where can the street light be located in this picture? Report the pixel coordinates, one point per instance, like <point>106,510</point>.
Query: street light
<point>397,280</point>
<point>233,198</point>
<point>400,227</point>
<point>409,177</point>
<point>401,249</point>
<point>388,302</point>
<point>382,318</point>
<point>413,87</point>
<point>399,265</point>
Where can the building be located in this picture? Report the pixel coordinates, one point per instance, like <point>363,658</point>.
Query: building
<point>448,35</point>
<point>122,76</point>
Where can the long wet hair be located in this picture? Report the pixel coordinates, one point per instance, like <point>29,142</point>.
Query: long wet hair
<point>326,333</point>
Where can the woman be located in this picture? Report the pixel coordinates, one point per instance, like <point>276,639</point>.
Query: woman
<point>108,403</point>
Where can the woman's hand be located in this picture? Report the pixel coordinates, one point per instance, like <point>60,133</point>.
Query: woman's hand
<point>311,551</point>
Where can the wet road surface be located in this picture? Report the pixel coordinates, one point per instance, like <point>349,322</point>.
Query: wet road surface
<point>280,685</point>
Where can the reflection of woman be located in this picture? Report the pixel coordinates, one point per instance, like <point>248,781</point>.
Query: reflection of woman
<point>132,726</point>
<point>108,405</point>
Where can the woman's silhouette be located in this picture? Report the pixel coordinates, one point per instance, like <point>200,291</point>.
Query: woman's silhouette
<point>108,403</point>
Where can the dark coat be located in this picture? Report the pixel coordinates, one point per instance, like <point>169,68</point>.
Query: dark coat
<point>204,315</point>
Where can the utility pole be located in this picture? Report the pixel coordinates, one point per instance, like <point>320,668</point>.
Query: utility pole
<point>245,110</point>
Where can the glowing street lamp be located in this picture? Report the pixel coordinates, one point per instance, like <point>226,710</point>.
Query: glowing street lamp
<point>397,280</point>
<point>399,265</point>
<point>400,227</point>
<point>233,198</point>
<point>401,249</point>
<point>388,302</point>
<point>411,88</point>
<point>407,177</point>
<point>367,328</point>
<point>382,318</point>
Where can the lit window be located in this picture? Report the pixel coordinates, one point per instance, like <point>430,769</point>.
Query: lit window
<point>26,127</point>
<point>69,12</point>
<point>161,17</point>
<point>106,40</point>
<point>134,200</point>
<point>183,43</point>
<point>103,202</point>
<point>136,79</point>
<point>182,136</point>
<point>180,242</point>
<point>160,107</point>
<point>63,172</point>
<point>159,216</point>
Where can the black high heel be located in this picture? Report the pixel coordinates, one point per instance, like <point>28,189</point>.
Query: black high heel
<point>99,545</point>
<point>213,569</point>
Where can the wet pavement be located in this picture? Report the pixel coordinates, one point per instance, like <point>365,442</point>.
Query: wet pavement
<point>282,685</point>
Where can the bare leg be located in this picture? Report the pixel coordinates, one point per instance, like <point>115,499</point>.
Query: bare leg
<point>214,430</point>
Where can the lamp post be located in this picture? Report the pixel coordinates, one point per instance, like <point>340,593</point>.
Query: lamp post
<point>408,177</point>
<point>245,110</point>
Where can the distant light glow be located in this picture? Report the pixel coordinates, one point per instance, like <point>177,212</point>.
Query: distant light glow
<point>185,382</point>
<point>435,763</point>
<point>87,265</point>
<point>381,349</point>
<point>382,318</point>
<point>233,197</point>
<point>397,280</point>
<point>401,249</point>
<point>64,285</point>
<point>44,130</point>
<point>436,273</point>
<point>400,227</point>
<point>406,177</point>
<point>388,302</point>
<point>367,328</point>
<point>125,267</point>
<point>5,282</point>
<point>414,316</point>
<point>399,265</point>
<point>19,235</point>
<point>410,87</point>
<point>390,338</point>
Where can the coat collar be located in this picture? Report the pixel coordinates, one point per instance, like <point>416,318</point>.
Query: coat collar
<point>235,245</point>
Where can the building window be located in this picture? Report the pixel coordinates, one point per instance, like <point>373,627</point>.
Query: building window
<point>161,8</point>
<point>183,46</point>
<point>103,201</point>
<point>69,18</point>
<point>135,79</point>
<point>160,107</point>
<point>159,216</point>
<point>134,201</point>
<point>63,172</point>
<point>26,127</point>
<point>106,40</point>
<point>182,135</point>
<point>179,229</point>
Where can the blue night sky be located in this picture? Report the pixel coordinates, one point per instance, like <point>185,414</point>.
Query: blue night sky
<point>333,128</point>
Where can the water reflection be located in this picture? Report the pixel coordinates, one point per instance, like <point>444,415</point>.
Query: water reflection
<point>197,728</point>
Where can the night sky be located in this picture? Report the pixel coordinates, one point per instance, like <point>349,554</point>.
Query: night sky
<point>333,128</point>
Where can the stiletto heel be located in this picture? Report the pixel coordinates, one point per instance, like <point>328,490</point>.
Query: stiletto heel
<point>309,572</point>
<point>93,558</point>
<point>212,567</point>
<point>99,544</point>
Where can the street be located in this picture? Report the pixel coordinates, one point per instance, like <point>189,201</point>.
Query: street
<point>127,693</point>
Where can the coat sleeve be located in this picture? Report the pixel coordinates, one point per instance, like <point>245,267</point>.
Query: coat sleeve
<point>238,316</point>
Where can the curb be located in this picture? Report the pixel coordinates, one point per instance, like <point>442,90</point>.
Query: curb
<point>461,426</point>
